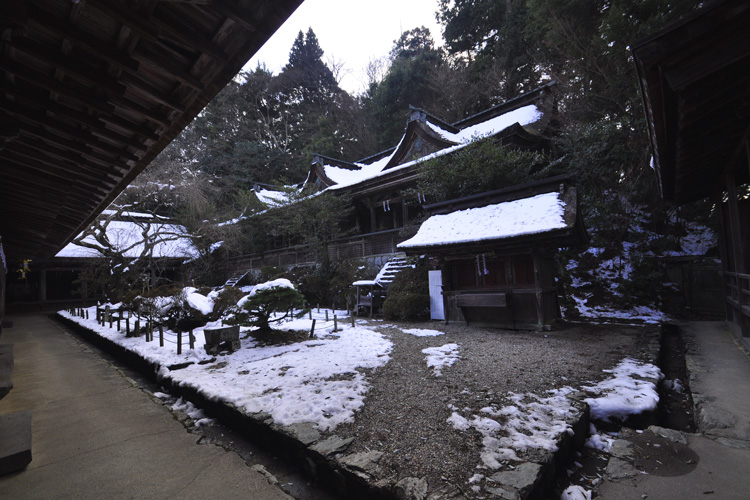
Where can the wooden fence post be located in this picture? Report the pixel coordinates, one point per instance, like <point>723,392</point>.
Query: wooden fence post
<point>335,324</point>
<point>326,315</point>
<point>161,336</point>
<point>179,342</point>
<point>352,316</point>
<point>312,330</point>
<point>192,340</point>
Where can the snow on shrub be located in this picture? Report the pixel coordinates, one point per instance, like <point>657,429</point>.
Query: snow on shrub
<point>277,298</point>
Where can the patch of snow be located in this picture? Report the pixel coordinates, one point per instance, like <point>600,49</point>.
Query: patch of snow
<point>629,391</point>
<point>198,302</point>
<point>522,116</point>
<point>531,422</point>
<point>575,492</point>
<point>319,381</point>
<point>441,357</point>
<point>599,441</point>
<point>422,332</point>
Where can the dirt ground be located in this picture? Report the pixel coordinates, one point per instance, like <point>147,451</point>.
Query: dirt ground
<point>407,406</point>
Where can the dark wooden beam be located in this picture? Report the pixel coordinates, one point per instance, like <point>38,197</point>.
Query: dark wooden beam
<point>27,100</point>
<point>155,30</point>
<point>83,40</point>
<point>40,80</point>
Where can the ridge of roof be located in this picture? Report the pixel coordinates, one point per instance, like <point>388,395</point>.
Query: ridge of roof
<point>419,114</point>
<point>335,162</point>
<point>504,107</point>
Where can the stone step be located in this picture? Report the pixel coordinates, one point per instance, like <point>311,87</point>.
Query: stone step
<point>15,441</point>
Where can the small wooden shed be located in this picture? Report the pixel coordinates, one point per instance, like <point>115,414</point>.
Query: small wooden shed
<point>496,252</point>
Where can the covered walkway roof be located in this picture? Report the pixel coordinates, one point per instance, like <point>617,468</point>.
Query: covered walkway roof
<point>92,90</point>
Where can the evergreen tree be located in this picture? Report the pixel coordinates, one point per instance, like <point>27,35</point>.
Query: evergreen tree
<point>414,59</point>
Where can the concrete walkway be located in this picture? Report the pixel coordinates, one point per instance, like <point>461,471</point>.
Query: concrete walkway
<point>720,382</point>
<point>97,435</point>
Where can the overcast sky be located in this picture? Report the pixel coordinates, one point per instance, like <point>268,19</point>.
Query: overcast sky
<point>351,31</point>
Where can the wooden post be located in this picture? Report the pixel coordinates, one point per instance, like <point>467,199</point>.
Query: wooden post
<point>352,316</point>
<point>119,317</point>
<point>319,307</point>
<point>335,324</point>
<point>179,342</point>
<point>310,313</point>
<point>312,330</point>
<point>192,340</point>
<point>87,314</point>
<point>161,336</point>
<point>326,315</point>
<point>127,325</point>
<point>138,327</point>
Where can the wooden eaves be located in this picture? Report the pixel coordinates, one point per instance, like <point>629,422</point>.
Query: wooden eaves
<point>695,78</point>
<point>92,90</point>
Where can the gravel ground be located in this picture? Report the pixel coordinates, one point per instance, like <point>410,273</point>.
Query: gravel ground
<point>407,406</point>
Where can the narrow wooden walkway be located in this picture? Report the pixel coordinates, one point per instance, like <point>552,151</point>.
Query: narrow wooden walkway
<point>97,435</point>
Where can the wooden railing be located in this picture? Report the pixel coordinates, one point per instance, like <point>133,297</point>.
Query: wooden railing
<point>354,247</point>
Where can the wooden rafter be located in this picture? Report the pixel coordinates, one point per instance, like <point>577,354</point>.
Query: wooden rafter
<point>92,91</point>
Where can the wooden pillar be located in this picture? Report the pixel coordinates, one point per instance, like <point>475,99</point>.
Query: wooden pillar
<point>373,218</point>
<point>536,258</point>
<point>43,285</point>
<point>734,228</point>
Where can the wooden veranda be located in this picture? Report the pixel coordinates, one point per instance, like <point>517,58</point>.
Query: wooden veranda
<point>695,77</point>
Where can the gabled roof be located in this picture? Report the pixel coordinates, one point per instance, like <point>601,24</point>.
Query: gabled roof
<point>92,91</point>
<point>695,80</point>
<point>519,121</point>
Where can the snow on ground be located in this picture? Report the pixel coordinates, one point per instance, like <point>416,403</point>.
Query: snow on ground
<point>530,422</point>
<point>320,381</point>
<point>441,357</point>
<point>422,332</point>
<point>533,422</point>
<point>575,492</point>
<point>600,441</point>
<point>645,314</point>
<point>629,391</point>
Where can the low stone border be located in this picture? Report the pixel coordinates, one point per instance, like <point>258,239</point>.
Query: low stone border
<point>325,459</point>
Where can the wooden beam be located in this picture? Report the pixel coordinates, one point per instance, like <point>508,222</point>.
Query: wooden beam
<point>40,80</point>
<point>71,65</point>
<point>155,30</point>
<point>82,39</point>
<point>138,85</point>
<point>60,160</point>
<point>166,66</point>
<point>34,99</point>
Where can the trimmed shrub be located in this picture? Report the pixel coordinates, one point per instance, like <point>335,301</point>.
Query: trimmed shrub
<point>408,296</point>
<point>256,309</point>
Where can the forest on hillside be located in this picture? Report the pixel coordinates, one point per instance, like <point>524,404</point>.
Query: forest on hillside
<point>264,128</point>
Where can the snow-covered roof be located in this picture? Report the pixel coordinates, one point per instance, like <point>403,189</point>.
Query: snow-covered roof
<point>344,177</point>
<point>272,198</point>
<point>535,214</point>
<point>174,242</point>
<point>522,116</point>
